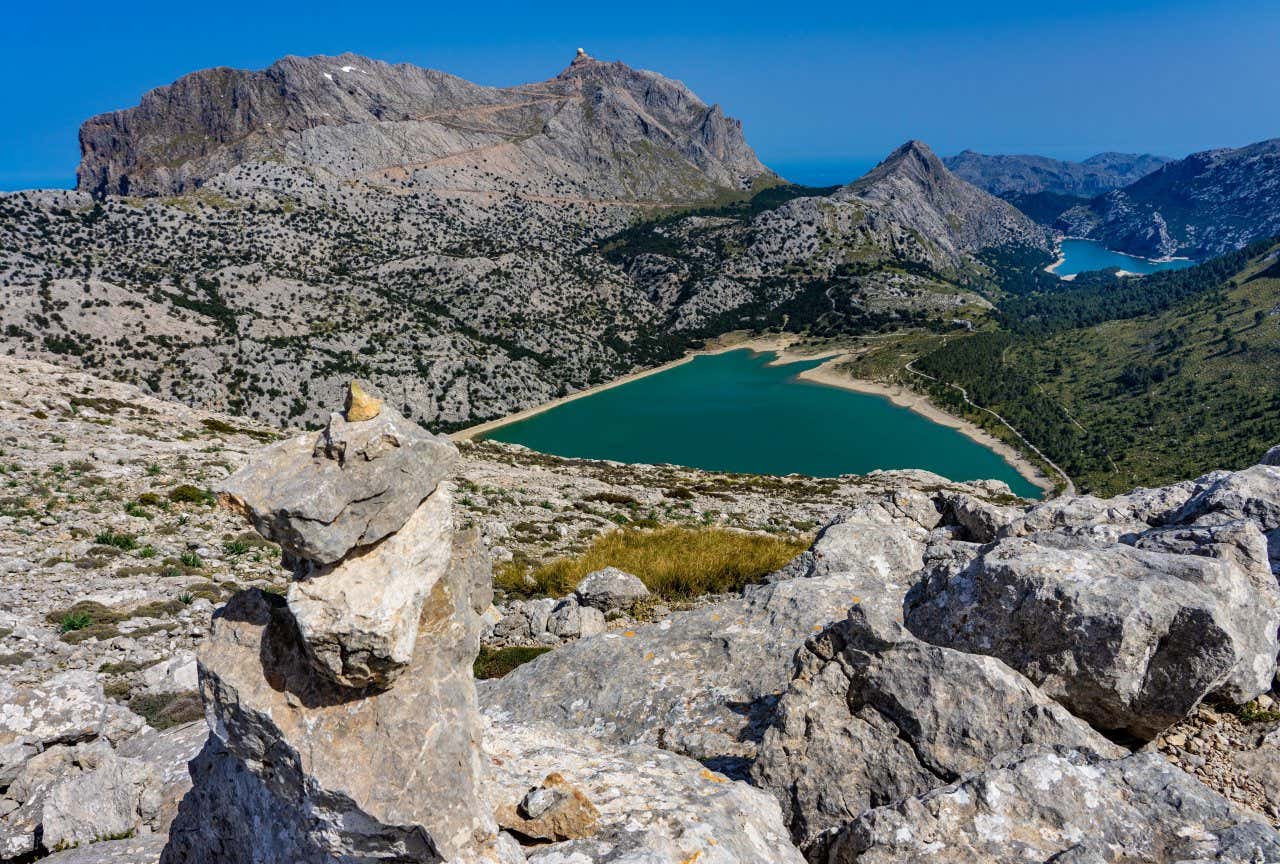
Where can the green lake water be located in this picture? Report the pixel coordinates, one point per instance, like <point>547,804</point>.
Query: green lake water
<point>735,412</point>
<point>1081,256</point>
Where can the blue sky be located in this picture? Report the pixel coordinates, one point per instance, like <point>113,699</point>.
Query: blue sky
<point>823,88</point>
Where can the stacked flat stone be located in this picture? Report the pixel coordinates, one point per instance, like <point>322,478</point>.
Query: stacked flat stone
<point>343,717</point>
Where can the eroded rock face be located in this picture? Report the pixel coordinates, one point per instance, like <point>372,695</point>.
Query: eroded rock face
<point>300,769</point>
<point>650,805</point>
<point>1131,639</point>
<point>1064,805</point>
<point>359,617</point>
<point>704,682</point>
<point>68,708</point>
<point>874,715</point>
<point>321,495</point>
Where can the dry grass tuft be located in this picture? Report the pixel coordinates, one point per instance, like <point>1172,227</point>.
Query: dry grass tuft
<point>676,563</point>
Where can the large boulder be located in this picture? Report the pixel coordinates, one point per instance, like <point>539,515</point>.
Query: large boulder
<point>1060,806</point>
<point>1252,494</point>
<point>68,708</point>
<point>115,797</point>
<point>874,715</point>
<point>1131,639</point>
<point>610,589</point>
<point>320,495</point>
<point>301,769</point>
<point>359,617</point>
<point>704,682</point>
<point>640,804</point>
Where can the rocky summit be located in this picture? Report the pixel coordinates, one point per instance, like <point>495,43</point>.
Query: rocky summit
<point>946,672</point>
<point>403,126</point>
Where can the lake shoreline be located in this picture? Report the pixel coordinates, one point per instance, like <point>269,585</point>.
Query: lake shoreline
<point>827,375</point>
<point>719,345</point>
<point>824,375</point>
<point>1062,259</point>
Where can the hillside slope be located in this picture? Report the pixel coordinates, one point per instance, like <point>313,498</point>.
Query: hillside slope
<point>1198,207</point>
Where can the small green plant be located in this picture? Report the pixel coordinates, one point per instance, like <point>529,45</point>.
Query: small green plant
<point>73,621</point>
<point>1252,712</point>
<point>153,470</point>
<point>191,559</point>
<point>496,662</point>
<point>151,499</point>
<point>127,542</point>
<point>188,494</point>
<point>186,598</point>
<point>133,508</point>
<point>235,547</point>
<point>147,551</point>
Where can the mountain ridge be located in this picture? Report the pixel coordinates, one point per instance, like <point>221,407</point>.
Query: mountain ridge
<point>1206,204</point>
<point>406,126</point>
<point>1028,174</point>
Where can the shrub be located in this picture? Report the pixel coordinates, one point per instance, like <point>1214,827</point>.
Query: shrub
<point>191,559</point>
<point>188,494</point>
<point>74,621</point>
<point>496,662</point>
<point>127,542</point>
<point>674,562</point>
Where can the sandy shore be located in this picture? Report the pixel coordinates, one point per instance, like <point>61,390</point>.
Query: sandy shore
<point>729,342</point>
<point>825,374</point>
<point>911,400</point>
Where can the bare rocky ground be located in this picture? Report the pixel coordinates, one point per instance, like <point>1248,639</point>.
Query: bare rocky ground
<point>107,514</point>
<point>114,558</point>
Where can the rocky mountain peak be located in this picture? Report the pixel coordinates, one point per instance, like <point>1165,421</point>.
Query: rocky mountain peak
<point>598,131</point>
<point>914,187</point>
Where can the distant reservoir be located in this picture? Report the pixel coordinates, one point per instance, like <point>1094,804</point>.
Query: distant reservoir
<point>735,412</point>
<point>1082,256</point>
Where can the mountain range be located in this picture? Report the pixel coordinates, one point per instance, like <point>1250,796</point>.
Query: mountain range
<point>1204,205</point>
<point>1028,175</point>
<point>248,241</point>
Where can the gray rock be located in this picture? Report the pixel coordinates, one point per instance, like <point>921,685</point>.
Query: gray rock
<point>1063,806</point>
<point>320,495</point>
<point>653,805</point>
<point>1129,639</point>
<point>167,753</point>
<point>301,770</point>
<point>359,617</point>
<point>143,849</point>
<point>874,715</point>
<point>610,589</point>
<point>1272,456</point>
<point>704,682</point>
<point>571,620</point>
<point>980,520</point>
<point>118,797</point>
<point>1252,494</point>
<point>65,709</point>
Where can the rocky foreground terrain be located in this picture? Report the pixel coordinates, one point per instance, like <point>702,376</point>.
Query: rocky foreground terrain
<point>947,673</point>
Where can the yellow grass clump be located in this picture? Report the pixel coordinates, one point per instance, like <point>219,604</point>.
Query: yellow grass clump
<point>675,563</point>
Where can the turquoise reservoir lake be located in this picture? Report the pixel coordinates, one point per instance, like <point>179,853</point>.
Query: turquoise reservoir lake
<point>1085,255</point>
<point>735,412</point>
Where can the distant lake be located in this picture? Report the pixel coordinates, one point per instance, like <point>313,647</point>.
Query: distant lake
<point>1085,255</point>
<point>735,412</point>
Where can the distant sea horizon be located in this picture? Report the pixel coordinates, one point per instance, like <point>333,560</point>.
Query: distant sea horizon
<point>824,172</point>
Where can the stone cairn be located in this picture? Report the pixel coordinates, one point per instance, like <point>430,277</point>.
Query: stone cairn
<point>343,716</point>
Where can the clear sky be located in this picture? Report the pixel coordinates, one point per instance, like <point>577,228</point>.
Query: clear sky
<point>823,88</point>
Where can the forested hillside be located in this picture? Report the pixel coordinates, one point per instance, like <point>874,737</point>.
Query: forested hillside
<point>1125,381</point>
